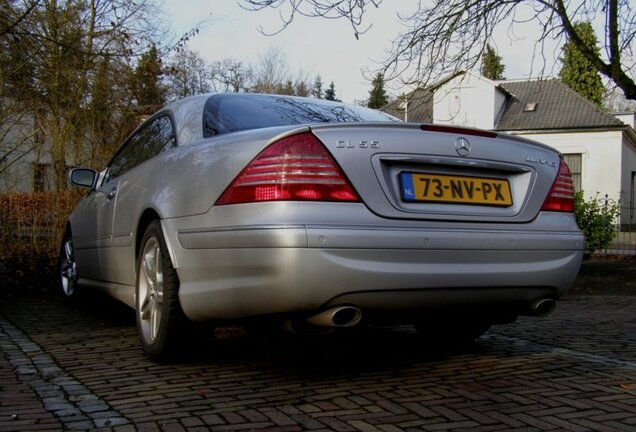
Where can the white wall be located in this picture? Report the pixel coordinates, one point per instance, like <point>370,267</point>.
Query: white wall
<point>601,158</point>
<point>468,100</point>
<point>629,118</point>
<point>629,185</point>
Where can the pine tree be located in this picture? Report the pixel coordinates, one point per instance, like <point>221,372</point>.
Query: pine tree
<point>491,65</point>
<point>377,94</point>
<point>147,88</point>
<point>317,90</point>
<point>301,88</point>
<point>578,72</point>
<point>288,88</point>
<point>330,93</point>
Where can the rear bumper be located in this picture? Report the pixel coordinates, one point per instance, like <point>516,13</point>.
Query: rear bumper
<point>241,272</point>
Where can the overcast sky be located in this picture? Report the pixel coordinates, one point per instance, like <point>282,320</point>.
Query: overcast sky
<point>319,46</point>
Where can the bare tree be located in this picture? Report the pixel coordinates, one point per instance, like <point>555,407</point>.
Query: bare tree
<point>444,36</point>
<point>230,75</point>
<point>71,61</point>
<point>187,74</point>
<point>270,72</point>
<point>12,14</point>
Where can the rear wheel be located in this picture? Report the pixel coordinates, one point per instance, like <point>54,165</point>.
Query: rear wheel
<point>67,267</point>
<point>161,323</point>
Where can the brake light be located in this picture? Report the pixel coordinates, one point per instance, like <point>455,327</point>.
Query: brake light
<point>561,195</point>
<point>458,130</point>
<point>296,168</point>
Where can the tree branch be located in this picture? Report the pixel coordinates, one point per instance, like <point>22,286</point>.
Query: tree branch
<point>19,19</point>
<point>445,36</point>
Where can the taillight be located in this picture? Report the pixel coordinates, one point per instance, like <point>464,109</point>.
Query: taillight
<point>297,168</point>
<point>561,195</point>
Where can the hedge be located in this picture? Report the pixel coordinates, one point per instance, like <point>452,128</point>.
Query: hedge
<point>30,233</point>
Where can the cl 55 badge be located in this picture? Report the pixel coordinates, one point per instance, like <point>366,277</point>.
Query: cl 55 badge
<point>538,160</point>
<point>363,144</point>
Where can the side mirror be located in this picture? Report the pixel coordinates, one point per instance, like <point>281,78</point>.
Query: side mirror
<point>83,177</point>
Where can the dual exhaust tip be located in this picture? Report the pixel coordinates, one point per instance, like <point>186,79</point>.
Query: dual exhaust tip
<point>349,316</point>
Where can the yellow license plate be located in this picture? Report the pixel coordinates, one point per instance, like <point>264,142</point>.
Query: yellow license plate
<point>443,188</point>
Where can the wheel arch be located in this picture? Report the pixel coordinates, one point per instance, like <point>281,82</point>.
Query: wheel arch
<point>147,217</point>
<point>67,229</point>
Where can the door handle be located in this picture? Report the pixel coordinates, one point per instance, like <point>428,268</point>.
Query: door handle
<point>111,194</point>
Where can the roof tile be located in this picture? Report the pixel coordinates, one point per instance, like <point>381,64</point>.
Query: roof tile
<point>558,107</point>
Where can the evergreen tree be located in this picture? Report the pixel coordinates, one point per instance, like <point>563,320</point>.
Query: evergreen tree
<point>146,80</point>
<point>491,65</point>
<point>287,88</point>
<point>330,93</point>
<point>301,88</point>
<point>317,90</point>
<point>377,94</point>
<point>578,72</point>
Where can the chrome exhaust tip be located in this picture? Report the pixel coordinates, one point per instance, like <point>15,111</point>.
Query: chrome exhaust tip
<point>341,316</point>
<point>543,307</point>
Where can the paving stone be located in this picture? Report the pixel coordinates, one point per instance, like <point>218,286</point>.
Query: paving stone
<point>571,371</point>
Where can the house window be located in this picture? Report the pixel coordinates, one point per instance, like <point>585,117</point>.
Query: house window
<point>530,107</point>
<point>575,162</point>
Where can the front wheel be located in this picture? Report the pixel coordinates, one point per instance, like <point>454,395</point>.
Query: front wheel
<point>161,323</point>
<point>67,267</point>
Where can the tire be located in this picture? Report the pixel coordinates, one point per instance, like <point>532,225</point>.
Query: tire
<point>67,269</point>
<point>163,327</point>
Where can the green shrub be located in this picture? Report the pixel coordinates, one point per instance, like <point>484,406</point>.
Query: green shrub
<point>596,218</point>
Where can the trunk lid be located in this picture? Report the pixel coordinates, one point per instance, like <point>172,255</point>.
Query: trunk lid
<point>410,171</point>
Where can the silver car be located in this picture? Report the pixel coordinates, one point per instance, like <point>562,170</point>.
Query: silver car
<point>263,208</point>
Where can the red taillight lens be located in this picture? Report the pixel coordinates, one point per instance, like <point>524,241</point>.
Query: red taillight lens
<point>297,168</point>
<point>561,195</point>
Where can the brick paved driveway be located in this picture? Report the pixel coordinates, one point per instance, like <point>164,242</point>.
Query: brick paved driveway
<point>70,368</point>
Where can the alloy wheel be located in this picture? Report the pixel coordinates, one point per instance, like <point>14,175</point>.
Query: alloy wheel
<point>150,291</point>
<point>68,268</point>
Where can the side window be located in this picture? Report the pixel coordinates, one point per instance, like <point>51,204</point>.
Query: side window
<point>153,138</point>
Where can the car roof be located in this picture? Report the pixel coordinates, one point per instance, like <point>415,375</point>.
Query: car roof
<point>188,113</point>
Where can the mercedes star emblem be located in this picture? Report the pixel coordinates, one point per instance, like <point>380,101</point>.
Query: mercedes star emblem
<point>462,146</point>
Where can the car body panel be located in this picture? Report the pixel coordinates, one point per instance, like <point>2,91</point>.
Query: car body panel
<point>408,148</point>
<point>240,261</point>
<point>266,260</point>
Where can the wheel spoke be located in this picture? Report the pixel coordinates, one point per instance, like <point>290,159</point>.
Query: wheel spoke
<point>155,320</point>
<point>68,250</point>
<point>149,271</point>
<point>158,276</point>
<point>147,306</point>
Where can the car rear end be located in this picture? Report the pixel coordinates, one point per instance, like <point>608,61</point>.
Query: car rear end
<point>394,220</point>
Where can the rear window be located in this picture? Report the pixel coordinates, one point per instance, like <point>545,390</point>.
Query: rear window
<point>224,113</point>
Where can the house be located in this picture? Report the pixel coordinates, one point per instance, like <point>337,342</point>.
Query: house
<point>25,162</point>
<point>600,148</point>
